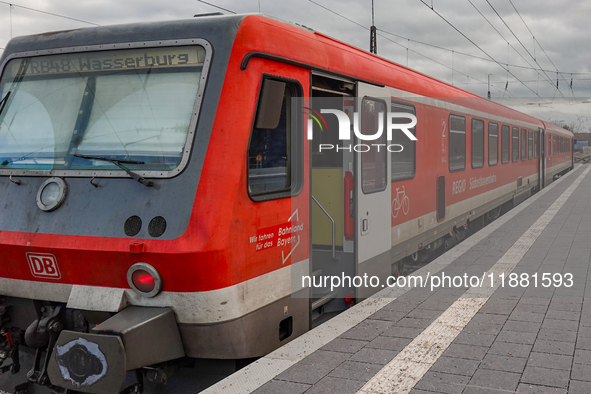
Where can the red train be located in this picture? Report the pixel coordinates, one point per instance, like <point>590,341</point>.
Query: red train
<point>161,200</point>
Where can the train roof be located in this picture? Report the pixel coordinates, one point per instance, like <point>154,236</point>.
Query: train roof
<point>248,33</point>
<point>556,129</point>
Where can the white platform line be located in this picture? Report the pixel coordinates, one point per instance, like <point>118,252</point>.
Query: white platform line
<point>402,373</point>
<point>266,368</point>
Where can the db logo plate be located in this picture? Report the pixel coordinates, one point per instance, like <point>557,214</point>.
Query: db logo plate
<point>43,265</point>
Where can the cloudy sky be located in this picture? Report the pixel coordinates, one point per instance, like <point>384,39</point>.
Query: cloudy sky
<point>523,72</point>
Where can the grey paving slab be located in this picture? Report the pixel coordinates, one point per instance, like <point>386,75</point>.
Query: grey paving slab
<point>331,385</point>
<point>581,372</point>
<point>402,332</point>
<point>526,338</point>
<point>443,383</point>
<point>498,380</point>
<point>455,366</point>
<point>388,315</point>
<point>557,335</point>
<point>554,347</point>
<point>304,373</point>
<point>389,343</point>
<point>525,388</point>
<point>414,322</point>
<point>545,377</point>
<point>356,370</point>
<point>344,345</point>
<point>550,361</point>
<point>582,356</point>
<point>579,387</point>
<point>521,326</point>
<point>374,356</point>
<point>281,386</point>
<point>554,324</point>
<point>474,339</point>
<point>367,330</point>
<point>483,390</point>
<point>503,363</point>
<point>483,328</point>
<point>583,343</point>
<point>325,358</point>
<point>469,352</point>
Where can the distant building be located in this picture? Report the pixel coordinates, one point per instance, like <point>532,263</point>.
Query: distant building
<point>582,140</point>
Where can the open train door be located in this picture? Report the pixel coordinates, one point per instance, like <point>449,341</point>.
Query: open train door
<point>373,239</point>
<point>542,160</point>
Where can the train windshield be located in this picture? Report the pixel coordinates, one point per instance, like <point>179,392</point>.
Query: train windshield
<point>132,104</point>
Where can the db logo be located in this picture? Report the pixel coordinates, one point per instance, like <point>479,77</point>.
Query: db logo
<point>43,265</point>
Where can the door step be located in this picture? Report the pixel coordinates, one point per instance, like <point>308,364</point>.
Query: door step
<point>318,302</point>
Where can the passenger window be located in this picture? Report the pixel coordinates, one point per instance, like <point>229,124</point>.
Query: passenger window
<point>515,138</point>
<point>374,160</point>
<point>403,163</point>
<point>505,144</point>
<point>523,144</point>
<point>493,144</point>
<point>536,144</point>
<point>271,149</point>
<point>477,143</point>
<point>457,143</point>
<point>549,148</point>
<point>530,144</point>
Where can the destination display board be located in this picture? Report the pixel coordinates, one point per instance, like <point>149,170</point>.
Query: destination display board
<point>101,61</point>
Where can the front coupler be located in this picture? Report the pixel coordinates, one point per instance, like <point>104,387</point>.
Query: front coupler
<point>97,362</point>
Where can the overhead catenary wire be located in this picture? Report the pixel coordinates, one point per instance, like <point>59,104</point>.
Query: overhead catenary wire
<point>540,45</point>
<point>468,54</point>
<point>503,37</point>
<point>218,7</point>
<point>386,38</point>
<point>48,13</point>
<point>482,50</point>
<point>519,41</point>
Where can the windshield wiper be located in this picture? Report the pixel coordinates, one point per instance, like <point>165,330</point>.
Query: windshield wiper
<point>118,163</point>
<point>4,101</point>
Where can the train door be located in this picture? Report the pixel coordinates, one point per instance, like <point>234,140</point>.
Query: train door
<point>373,193</point>
<point>542,159</point>
<point>332,195</point>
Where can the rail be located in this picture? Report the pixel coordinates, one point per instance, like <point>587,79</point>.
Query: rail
<point>334,256</point>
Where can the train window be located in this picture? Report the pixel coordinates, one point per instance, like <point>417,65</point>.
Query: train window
<point>493,144</point>
<point>530,144</point>
<point>133,104</point>
<point>536,144</point>
<point>549,147</point>
<point>555,145</point>
<point>515,137</point>
<point>505,144</point>
<point>477,143</point>
<point>523,144</point>
<point>272,144</point>
<point>374,160</point>
<point>403,163</point>
<point>457,143</point>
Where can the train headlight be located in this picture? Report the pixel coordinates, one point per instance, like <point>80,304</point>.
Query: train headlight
<point>144,279</point>
<point>51,194</point>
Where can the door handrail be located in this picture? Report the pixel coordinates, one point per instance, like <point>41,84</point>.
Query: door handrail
<point>334,256</point>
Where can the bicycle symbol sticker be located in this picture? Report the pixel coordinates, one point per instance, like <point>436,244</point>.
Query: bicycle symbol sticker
<point>401,201</point>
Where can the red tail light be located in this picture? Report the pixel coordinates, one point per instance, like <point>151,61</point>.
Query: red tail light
<point>143,281</point>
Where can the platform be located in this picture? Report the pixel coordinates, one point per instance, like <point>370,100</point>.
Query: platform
<point>466,339</point>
